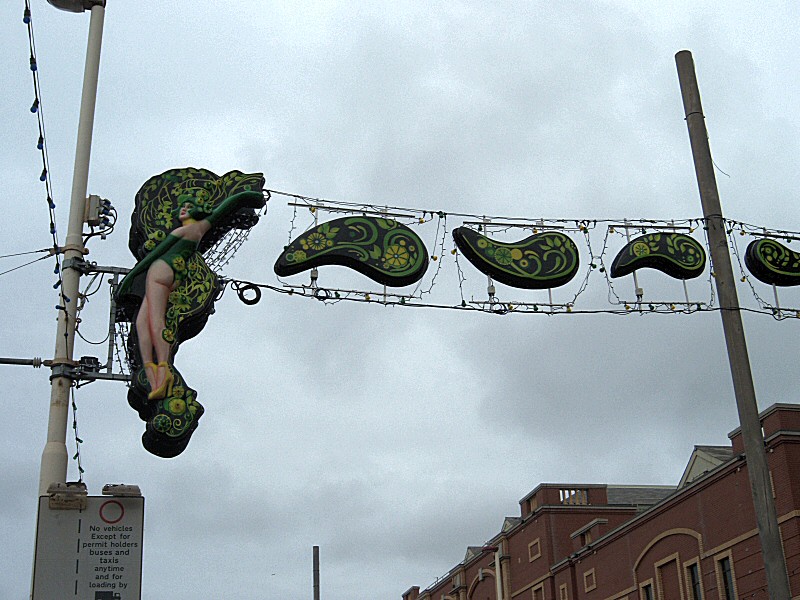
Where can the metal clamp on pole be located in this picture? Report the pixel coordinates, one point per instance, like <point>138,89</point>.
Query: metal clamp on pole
<point>86,369</point>
<point>77,263</point>
<point>64,368</point>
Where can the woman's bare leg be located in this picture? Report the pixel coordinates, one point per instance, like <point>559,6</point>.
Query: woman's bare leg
<point>160,283</point>
<point>145,343</point>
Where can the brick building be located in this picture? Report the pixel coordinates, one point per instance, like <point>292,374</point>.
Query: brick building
<point>695,541</point>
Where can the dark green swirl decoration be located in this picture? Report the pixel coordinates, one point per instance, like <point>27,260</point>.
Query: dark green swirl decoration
<point>383,250</point>
<point>674,254</point>
<point>192,300</point>
<point>544,260</point>
<point>170,421</point>
<point>773,263</point>
<point>155,214</point>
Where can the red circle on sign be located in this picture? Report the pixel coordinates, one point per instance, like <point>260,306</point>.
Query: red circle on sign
<point>112,512</point>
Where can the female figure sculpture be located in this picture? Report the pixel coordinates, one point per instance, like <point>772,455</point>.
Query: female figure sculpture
<point>164,268</point>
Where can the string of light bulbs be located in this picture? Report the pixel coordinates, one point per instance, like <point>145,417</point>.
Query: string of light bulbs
<point>37,108</point>
<point>78,441</point>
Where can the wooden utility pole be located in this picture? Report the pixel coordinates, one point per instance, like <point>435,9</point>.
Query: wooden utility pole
<point>752,434</point>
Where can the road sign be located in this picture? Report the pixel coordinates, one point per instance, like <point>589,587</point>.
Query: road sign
<point>92,553</point>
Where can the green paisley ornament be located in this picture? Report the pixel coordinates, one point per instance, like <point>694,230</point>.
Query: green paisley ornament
<point>773,263</point>
<point>544,260</point>
<point>382,249</point>
<point>674,254</point>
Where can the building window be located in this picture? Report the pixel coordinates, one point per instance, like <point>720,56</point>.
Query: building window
<point>538,593</point>
<point>647,591</point>
<point>574,497</point>
<point>589,581</point>
<point>693,581</point>
<point>563,592</point>
<point>726,575</point>
<point>534,550</point>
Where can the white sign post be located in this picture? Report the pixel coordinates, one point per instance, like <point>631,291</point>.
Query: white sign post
<point>91,553</point>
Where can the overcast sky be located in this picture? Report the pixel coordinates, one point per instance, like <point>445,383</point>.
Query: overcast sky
<point>392,437</point>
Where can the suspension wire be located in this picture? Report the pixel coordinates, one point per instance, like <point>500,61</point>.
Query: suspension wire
<point>83,298</point>
<point>48,250</point>
<point>35,260</point>
<point>243,286</point>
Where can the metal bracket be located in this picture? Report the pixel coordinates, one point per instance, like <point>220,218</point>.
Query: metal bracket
<point>95,268</point>
<point>76,263</point>
<point>70,371</point>
<point>87,369</point>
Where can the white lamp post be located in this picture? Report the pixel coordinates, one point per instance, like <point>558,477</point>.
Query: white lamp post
<point>54,456</point>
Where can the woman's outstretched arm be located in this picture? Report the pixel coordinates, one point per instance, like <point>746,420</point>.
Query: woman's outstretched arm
<point>231,204</point>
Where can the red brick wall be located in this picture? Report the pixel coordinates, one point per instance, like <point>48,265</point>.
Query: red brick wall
<point>710,519</point>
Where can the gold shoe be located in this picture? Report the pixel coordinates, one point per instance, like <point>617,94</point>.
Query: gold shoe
<point>170,379</point>
<point>151,368</point>
<point>165,388</point>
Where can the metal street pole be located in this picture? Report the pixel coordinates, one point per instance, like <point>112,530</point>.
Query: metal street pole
<point>54,455</point>
<point>752,434</point>
<point>316,572</point>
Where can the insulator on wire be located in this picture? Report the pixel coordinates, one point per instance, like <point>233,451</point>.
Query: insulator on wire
<point>26,16</point>
<point>43,176</point>
<point>40,143</point>
<point>35,105</point>
<point>33,64</point>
